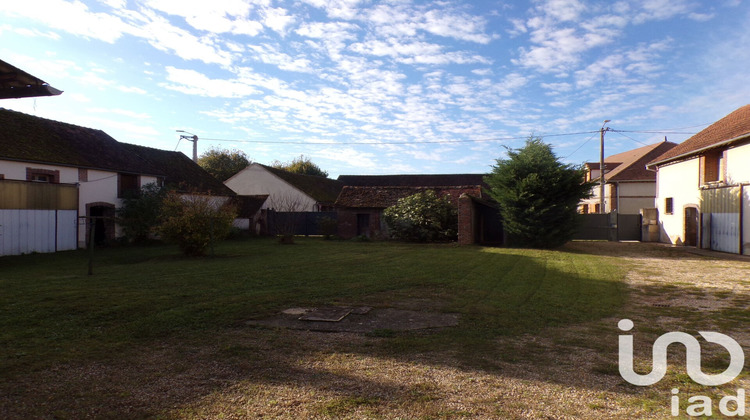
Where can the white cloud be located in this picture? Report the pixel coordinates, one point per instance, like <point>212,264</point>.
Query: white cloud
<point>168,38</point>
<point>271,55</point>
<point>73,17</point>
<point>348,155</point>
<point>193,83</point>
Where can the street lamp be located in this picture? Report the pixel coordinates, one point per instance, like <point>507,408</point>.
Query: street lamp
<point>601,166</point>
<point>192,137</point>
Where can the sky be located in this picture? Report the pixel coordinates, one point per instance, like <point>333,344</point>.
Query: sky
<point>384,87</point>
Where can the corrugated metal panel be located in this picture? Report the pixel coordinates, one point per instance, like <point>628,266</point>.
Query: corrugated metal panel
<point>37,196</point>
<point>720,200</point>
<point>27,231</point>
<point>721,209</point>
<point>725,232</point>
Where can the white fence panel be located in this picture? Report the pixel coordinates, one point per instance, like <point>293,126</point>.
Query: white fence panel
<point>26,231</point>
<point>725,232</point>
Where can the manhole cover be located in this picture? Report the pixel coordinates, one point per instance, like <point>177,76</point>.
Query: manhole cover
<point>326,314</point>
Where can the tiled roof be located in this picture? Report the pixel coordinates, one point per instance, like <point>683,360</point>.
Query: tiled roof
<point>179,171</point>
<point>323,190</point>
<point>734,125</point>
<point>439,180</point>
<point>631,165</point>
<point>28,138</point>
<point>386,196</point>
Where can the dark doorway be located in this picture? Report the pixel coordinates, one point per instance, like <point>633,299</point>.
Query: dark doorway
<point>363,224</point>
<point>103,222</point>
<point>691,226</point>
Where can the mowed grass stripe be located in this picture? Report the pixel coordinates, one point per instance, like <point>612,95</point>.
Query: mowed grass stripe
<point>53,311</point>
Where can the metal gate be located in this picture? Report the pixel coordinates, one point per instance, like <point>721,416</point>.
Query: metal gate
<point>609,227</point>
<point>27,231</point>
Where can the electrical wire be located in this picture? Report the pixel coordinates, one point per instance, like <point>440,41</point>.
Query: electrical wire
<point>397,142</point>
<point>625,135</point>
<point>584,143</point>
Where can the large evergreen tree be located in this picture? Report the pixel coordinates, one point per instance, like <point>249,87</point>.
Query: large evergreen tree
<point>538,195</point>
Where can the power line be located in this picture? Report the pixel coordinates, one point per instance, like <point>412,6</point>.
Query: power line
<point>625,135</point>
<point>396,142</point>
<point>583,144</point>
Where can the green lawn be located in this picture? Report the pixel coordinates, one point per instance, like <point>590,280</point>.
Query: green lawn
<point>52,311</point>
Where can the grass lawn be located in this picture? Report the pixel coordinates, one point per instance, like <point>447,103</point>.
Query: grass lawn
<point>53,311</point>
<point>146,303</point>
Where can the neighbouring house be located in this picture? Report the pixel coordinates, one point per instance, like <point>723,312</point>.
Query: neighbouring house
<point>48,159</point>
<point>362,201</point>
<point>286,191</point>
<point>629,186</point>
<point>702,192</point>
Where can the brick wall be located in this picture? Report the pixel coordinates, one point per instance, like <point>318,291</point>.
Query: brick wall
<point>465,220</point>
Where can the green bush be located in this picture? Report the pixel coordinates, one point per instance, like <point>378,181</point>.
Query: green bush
<point>139,214</point>
<point>422,217</point>
<point>194,221</point>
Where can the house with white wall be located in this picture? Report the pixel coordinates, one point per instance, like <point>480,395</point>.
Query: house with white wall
<point>286,191</point>
<point>629,186</point>
<point>703,184</point>
<point>103,170</point>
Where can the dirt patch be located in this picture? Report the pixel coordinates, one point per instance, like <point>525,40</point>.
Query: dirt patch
<point>357,319</point>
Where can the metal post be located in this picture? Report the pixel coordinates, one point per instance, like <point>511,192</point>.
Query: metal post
<point>92,239</point>
<point>601,167</point>
<point>195,148</point>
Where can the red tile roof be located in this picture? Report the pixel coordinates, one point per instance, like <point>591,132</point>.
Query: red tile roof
<point>734,126</point>
<point>632,164</point>
<point>382,197</point>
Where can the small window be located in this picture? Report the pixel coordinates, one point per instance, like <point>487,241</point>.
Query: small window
<point>668,205</point>
<point>597,208</point>
<point>43,175</point>
<point>127,184</point>
<point>585,209</point>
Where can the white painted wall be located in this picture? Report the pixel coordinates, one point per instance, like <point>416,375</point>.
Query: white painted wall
<point>256,180</point>
<point>101,186</point>
<point>679,181</point>
<point>17,170</point>
<point>738,165</point>
<point>634,196</point>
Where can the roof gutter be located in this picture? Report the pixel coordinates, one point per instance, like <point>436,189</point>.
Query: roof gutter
<point>697,151</point>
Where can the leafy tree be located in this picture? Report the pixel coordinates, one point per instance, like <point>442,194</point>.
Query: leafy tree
<point>422,217</point>
<point>223,163</point>
<point>301,165</point>
<point>538,195</point>
<point>194,221</point>
<point>139,214</point>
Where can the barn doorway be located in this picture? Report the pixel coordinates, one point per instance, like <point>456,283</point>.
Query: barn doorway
<point>102,220</point>
<point>363,224</point>
<point>691,226</point>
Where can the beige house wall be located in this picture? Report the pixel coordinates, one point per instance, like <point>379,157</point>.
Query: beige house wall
<point>256,180</point>
<point>678,181</point>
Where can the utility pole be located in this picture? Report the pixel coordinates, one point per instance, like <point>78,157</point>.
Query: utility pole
<point>601,167</point>
<point>192,138</point>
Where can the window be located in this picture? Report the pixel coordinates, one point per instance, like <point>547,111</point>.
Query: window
<point>585,209</point>
<point>127,183</point>
<point>43,175</point>
<point>668,205</point>
<point>596,208</point>
<point>712,167</point>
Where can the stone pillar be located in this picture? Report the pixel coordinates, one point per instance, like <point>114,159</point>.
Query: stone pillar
<point>465,220</point>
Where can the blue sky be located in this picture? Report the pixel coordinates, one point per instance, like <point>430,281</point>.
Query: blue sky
<point>383,87</point>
